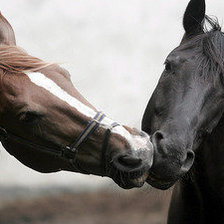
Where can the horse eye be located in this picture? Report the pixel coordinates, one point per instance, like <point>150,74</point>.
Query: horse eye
<point>168,66</point>
<point>29,117</point>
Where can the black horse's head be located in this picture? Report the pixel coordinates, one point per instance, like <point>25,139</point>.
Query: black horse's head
<point>189,98</point>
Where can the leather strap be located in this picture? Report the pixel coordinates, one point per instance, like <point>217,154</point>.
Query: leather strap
<point>90,128</point>
<point>66,152</point>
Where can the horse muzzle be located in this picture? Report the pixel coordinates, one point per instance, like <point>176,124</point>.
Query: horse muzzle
<point>131,169</point>
<point>172,160</point>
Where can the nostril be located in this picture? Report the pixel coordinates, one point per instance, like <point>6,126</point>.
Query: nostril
<point>188,161</point>
<point>159,143</point>
<point>158,136</point>
<point>190,156</point>
<point>129,160</point>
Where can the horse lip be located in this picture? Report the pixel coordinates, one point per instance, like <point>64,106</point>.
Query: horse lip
<point>160,185</point>
<point>132,183</point>
<point>127,180</point>
<point>134,173</point>
<point>155,181</point>
<point>140,180</point>
<point>130,172</point>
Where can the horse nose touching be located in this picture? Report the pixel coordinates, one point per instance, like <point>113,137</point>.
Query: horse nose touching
<point>171,154</point>
<point>130,168</point>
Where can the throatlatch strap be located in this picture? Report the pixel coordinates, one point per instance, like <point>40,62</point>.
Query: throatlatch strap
<point>90,128</point>
<point>105,145</point>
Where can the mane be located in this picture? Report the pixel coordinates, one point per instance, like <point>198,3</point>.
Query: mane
<point>210,46</point>
<point>14,59</point>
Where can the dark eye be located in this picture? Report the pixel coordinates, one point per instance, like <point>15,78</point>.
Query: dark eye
<point>29,117</point>
<point>168,66</point>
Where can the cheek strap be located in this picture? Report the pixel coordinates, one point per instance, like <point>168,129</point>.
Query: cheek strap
<point>105,146</point>
<point>90,128</point>
<point>66,152</point>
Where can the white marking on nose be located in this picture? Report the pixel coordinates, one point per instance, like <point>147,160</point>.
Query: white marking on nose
<point>39,79</point>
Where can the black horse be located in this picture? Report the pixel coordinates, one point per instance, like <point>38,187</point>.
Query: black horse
<point>186,120</point>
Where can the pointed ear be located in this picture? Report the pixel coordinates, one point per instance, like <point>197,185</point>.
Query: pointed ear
<point>7,35</point>
<point>193,17</point>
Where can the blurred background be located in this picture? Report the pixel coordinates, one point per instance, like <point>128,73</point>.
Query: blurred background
<point>121,47</point>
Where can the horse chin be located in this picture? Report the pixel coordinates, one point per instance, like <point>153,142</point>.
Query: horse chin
<point>127,180</point>
<point>132,183</point>
<point>139,182</point>
<point>158,183</point>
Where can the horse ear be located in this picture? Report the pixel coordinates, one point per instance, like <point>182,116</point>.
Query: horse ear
<point>7,35</point>
<point>193,17</point>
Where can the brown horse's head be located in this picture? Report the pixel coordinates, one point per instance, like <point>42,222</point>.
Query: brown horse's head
<point>42,112</point>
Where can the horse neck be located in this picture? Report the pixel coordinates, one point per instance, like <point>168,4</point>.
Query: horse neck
<point>208,175</point>
<point>211,152</point>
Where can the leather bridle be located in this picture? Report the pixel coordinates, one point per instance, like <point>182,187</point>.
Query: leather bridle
<point>66,152</point>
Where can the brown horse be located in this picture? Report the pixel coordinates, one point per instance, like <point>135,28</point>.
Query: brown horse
<point>48,126</point>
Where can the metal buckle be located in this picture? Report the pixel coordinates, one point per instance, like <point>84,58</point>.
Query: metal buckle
<point>68,152</point>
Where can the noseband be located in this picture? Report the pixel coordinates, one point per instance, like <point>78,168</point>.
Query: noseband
<point>66,152</point>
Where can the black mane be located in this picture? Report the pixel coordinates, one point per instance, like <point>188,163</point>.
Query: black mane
<point>210,47</point>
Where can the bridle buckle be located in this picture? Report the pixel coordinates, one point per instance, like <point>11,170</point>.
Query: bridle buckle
<point>68,152</point>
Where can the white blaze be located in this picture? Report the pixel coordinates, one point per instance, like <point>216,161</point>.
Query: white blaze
<point>41,80</point>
